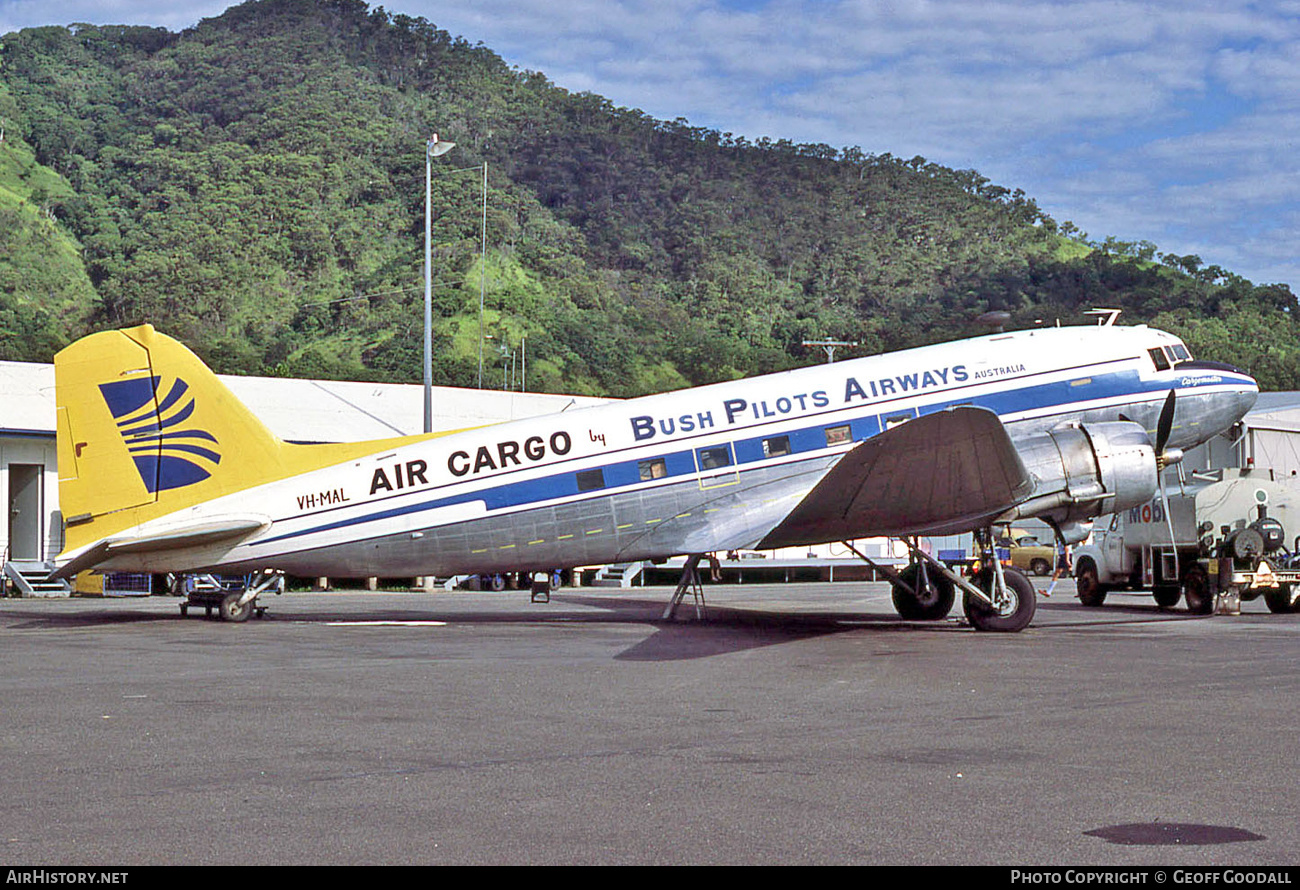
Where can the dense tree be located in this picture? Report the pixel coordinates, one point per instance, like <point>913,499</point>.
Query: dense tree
<point>255,186</point>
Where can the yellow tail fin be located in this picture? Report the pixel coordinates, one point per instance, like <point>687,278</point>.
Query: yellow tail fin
<point>146,429</point>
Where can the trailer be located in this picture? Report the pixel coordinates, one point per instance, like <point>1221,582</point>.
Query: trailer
<point>1223,539</point>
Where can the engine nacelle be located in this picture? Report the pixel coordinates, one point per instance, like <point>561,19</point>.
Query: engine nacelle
<point>1080,472</point>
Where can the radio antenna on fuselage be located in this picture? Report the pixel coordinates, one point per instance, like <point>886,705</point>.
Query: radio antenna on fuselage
<point>1105,317</point>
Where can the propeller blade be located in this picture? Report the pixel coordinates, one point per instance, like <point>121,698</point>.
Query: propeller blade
<point>1163,428</point>
<point>1166,424</point>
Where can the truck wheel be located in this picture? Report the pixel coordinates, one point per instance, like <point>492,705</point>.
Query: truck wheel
<point>1278,599</point>
<point>1167,597</point>
<point>1091,593</point>
<point>1196,590</point>
<point>1040,567</point>
<point>930,604</point>
<point>1014,616</point>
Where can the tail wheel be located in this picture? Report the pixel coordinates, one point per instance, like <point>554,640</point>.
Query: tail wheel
<point>932,601</point>
<point>1167,597</point>
<point>232,610</point>
<point>1013,614</point>
<point>1091,592</point>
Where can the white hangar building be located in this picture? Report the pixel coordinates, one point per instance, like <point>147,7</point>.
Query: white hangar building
<point>338,411</point>
<point>295,410</point>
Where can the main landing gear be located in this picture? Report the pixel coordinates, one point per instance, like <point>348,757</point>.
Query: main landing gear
<point>996,599</point>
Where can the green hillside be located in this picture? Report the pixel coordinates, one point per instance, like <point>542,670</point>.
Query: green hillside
<point>44,290</point>
<point>255,186</point>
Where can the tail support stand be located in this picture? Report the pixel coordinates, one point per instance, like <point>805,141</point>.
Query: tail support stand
<point>235,599</point>
<point>690,582</point>
<point>541,587</point>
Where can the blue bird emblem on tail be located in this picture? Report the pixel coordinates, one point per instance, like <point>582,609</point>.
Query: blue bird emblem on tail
<point>167,453</point>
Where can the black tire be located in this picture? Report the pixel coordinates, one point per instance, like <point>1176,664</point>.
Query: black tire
<point>231,610</point>
<point>1278,599</point>
<point>1167,597</point>
<point>931,604</point>
<point>1196,591</point>
<point>1091,593</point>
<point>1040,567</point>
<point>1015,616</point>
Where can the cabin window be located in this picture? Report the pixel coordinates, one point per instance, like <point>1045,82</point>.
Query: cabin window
<point>838,435</point>
<point>776,446</point>
<point>652,469</point>
<point>1158,357</point>
<point>712,458</point>
<point>590,480</point>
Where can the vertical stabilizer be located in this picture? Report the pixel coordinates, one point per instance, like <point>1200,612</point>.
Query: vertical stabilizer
<point>145,429</point>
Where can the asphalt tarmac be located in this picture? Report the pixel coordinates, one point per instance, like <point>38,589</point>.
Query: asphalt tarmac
<point>794,724</point>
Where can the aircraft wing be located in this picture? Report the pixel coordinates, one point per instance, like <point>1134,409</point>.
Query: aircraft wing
<point>942,473</point>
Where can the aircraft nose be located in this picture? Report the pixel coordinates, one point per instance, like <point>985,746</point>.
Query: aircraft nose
<point>1243,396</point>
<point>1212,397</point>
<point>1248,395</point>
<point>1245,393</point>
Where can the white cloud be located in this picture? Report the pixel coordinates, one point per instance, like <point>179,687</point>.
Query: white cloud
<point>1173,121</point>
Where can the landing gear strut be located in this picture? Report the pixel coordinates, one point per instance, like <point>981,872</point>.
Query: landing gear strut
<point>1005,600</point>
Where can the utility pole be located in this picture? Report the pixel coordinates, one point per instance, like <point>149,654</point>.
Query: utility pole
<point>830,346</point>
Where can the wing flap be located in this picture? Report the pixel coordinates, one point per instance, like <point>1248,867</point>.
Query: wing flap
<point>942,473</point>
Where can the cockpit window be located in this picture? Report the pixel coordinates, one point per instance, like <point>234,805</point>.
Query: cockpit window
<point>1158,356</point>
<point>1180,353</point>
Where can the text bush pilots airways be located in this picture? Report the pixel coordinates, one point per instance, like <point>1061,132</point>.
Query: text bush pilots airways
<point>163,470</point>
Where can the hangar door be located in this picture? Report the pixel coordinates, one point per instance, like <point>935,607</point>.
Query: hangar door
<point>26,518</point>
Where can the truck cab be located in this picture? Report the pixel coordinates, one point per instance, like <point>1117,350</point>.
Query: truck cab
<point>1222,530</point>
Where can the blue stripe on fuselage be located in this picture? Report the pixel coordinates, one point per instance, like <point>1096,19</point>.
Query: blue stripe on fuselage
<point>809,441</point>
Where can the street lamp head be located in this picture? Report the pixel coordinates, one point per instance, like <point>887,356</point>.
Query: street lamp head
<point>437,148</point>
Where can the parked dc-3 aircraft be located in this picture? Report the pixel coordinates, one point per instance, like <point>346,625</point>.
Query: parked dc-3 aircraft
<point>163,470</point>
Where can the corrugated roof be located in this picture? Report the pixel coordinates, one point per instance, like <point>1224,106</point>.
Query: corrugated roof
<point>307,410</point>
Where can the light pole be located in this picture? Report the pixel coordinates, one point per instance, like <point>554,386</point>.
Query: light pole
<point>432,149</point>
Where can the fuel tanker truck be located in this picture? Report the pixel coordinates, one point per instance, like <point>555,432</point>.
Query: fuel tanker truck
<point>1224,539</point>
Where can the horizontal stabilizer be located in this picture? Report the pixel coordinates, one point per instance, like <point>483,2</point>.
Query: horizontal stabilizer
<point>942,473</point>
<point>169,538</point>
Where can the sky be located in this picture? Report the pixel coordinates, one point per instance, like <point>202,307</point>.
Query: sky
<point>1170,121</point>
